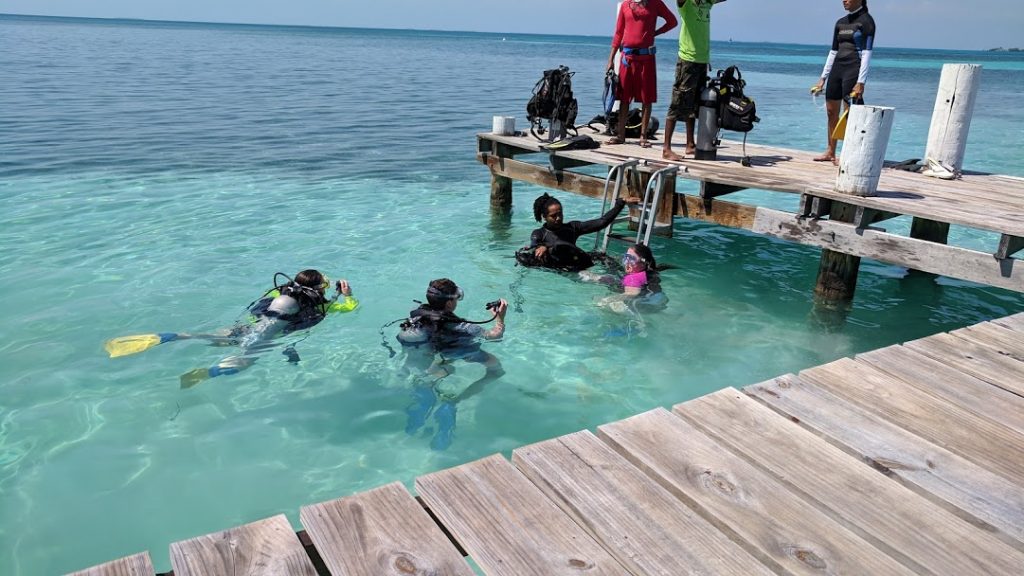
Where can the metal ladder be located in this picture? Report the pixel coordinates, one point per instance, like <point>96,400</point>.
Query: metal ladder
<point>648,206</point>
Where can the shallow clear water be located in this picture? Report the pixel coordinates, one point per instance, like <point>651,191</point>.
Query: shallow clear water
<point>154,177</point>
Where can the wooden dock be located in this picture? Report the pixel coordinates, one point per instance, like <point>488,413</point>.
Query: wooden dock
<point>904,460</point>
<point>840,224</point>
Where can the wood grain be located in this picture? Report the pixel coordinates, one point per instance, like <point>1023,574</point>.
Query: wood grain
<point>381,532</point>
<point>135,565</point>
<point>267,547</point>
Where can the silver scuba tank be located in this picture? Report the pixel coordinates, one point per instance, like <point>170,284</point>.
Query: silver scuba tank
<point>707,125</point>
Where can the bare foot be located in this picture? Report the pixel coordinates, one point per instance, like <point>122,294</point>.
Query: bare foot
<point>645,144</point>
<point>614,140</point>
<point>690,150</point>
<point>670,155</point>
<point>826,157</point>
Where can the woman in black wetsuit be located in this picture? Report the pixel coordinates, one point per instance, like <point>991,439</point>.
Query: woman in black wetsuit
<point>846,69</point>
<point>553,245</point>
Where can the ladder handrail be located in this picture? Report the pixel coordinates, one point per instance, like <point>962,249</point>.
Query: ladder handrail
<point>649,206</point>
<point>619,172</point>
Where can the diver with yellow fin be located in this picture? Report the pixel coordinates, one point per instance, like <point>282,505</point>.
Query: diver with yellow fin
<point>290,306</point>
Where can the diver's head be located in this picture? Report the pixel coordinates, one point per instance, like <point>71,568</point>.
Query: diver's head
<point>854,5</point>
<point>312,279</point>
<point>548,210</point>
<point>443,294</point>
<point>638,258</point>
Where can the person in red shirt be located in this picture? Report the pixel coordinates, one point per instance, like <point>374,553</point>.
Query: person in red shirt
<point>635,29</point>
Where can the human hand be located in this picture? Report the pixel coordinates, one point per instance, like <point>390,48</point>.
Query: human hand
<point>858,91</point>
<point>541,252</point>
<point>342,287</point>
<point>817,88</point>
<point>500,310</point>
<point>631,200</point>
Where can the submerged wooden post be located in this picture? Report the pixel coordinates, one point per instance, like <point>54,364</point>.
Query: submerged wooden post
<point>837,272</point>
<point>867,137</point>
<point>501,186</point>
<point>951,119</point>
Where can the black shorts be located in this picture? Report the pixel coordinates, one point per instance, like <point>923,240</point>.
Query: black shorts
<point>841,81</point>
<point>691,78</point>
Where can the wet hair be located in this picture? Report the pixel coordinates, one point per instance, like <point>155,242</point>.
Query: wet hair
<point>310,279</point>
<point>540,206</point>
<point>646,255</point>
<point>440,291</point>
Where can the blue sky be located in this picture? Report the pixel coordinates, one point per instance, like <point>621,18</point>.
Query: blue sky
<point>957,24</point>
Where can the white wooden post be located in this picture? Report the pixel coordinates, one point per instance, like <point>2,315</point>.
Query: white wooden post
<point>867,137</point>
<point>951,119</point>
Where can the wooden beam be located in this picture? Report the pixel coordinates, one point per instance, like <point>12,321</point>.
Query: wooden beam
<point>930,230</point>
<point>559,163</point>
<point>1009,245</point>
<point>710,190</point>
<point>716,211</point>
<point>540,175</point>
<point>868,216</point>
<point>912,253</point>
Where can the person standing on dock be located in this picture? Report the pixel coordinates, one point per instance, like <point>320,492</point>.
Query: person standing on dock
<point>846,68</point>
<point>635,30</point>
<point>691,71</point>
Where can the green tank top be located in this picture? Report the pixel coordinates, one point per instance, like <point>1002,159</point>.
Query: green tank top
<point>695,33</point>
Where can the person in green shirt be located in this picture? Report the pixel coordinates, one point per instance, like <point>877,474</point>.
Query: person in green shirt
<point>691,71</point>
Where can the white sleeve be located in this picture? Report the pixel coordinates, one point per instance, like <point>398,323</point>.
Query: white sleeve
<point>865,65</point>
<point>828,64</point>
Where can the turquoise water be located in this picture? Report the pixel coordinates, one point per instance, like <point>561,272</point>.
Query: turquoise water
<point>154,177</point>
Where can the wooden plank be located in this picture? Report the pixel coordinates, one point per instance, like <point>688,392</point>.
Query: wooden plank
<point>757,511</point>
<point>984,499</point>
<point>899,250</point>
<point>1005,341</point>
<point>566,181</point>
<point>1009,245</point>
<point>716,211</point>
<point>265,547</point>
<point>922,536</point>
<point>990,445</point>
<point>975,359</point>
<point>1015,322</point>
<point>382,532</point>
<point>507,525</point>
<point>639,522</point>
<point>942,381</point>
<point>135,565</point>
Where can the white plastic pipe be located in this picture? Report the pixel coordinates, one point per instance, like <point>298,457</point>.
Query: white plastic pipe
<point>504,125</point>
<point>867,136</point>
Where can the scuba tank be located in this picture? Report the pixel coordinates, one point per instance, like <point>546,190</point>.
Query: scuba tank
<point>707,125</point>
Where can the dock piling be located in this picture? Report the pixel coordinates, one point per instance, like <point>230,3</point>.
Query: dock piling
<point>951,119</point>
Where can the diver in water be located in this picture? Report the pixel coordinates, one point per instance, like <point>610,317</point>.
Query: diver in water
<point>640,285</point>
<point>434,336</point>
<point>553,245</point>
<point>290,306</point>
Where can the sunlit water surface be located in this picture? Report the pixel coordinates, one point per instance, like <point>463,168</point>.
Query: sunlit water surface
<point>154,177</point>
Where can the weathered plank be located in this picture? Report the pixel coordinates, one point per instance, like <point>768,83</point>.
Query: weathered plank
<point>382,532</point>
<point>922,536</point>
<point>990,445</point>
<point>757,511</point>
<point>1005,341</point>
<point>1015,322</point>
<point>938,379</point>
<point>135,565</point>
<point>975,359</point>
<point>643,526</point>
<point>507,525</point>
<point>983,498</point>
<point>921,255</point>
<point>267,547</point>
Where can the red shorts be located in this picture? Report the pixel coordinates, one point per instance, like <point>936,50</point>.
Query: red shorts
<point>638,79</point>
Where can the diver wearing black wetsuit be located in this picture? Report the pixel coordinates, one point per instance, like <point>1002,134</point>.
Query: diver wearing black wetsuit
<point>848,62</point>
<point>560,240</point>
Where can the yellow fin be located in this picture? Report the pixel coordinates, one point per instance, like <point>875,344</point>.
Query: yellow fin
<point>840,130</point>
<point>126,345</point>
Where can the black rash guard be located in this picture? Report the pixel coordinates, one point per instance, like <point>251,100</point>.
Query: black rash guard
<point>561,240</point>
<point>852,43</point>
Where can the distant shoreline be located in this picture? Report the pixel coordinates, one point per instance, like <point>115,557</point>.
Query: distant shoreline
<point>158,22</point>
